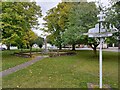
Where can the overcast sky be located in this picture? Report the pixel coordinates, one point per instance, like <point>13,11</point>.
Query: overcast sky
<point>48,4</point>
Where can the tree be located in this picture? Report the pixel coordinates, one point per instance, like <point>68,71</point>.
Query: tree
<point>56,19</point>
<point>39,41</point>
<point>29,39</point>
<point>82,16</point>
<point>113,18</point>
<point>9,18</point>
<point>17,19</point>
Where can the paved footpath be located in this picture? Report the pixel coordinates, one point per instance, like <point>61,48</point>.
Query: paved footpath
<point>21,66</point>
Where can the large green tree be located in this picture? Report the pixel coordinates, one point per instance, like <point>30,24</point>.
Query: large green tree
<point>29,39</point>
<point>17,19</point>
<point>57,19</point>
<point>113,18</point>
<point>82,16</point>
<point>68,21</point>
<point>39,41</point>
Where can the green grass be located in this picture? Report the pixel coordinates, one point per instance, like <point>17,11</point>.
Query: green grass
<point>9,60</point>
<point>66,72</point>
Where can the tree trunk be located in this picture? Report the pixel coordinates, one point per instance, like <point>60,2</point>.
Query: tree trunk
<point>94,47</point>
<point>95,51</point>
<point>60,47</point>
<point>21,50</point>
<point>28,46</point>
<point>119,44</point>
<point>8,47</point>
<point>73,47</point>
<point>20,47</point>
<point>30,51</point>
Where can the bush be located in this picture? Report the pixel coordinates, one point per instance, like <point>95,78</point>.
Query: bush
<point>54,54</point>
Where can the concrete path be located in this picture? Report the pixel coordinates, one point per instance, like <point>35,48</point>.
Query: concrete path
<point>21,66</point>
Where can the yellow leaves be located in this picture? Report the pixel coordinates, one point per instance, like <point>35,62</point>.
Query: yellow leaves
<point>18,86</point>
<point>30,71</point>
<point>5,24</point>
<point>16,19</point>
<point>30,35</point>
<point>49,78</point>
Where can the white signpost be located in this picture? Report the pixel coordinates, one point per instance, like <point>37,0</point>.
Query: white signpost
<point>100,32</point>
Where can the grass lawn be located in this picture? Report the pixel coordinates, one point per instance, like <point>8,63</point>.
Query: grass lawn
<point>66,72</point>
<point>9,60</point>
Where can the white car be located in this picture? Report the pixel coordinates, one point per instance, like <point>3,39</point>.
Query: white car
<point>3,47</point>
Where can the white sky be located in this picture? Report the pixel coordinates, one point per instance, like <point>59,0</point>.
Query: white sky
<point>48,4</point>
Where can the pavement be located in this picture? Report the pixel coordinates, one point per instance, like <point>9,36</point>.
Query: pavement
<point>21,66</point>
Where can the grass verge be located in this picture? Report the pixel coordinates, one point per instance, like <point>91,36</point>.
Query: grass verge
<point>9,60</point>
<point>66,72</point>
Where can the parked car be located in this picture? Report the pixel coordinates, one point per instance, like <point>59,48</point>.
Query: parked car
<point>2,48</point>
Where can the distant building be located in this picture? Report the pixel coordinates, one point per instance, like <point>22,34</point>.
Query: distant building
<point>35,46</point>
<point>49,46</point>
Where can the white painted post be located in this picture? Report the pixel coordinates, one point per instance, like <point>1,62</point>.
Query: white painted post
<point>100,62</point>
<point>100,32</point>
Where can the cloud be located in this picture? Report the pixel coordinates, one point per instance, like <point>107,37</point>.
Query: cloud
<point>46,5</point>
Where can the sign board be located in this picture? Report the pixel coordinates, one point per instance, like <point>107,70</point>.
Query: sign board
<point>96,32</point>
<point>100,31</point>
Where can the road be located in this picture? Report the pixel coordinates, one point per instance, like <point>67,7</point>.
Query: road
<point>111,49</point>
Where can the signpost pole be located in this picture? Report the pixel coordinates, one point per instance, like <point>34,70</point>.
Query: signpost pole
<point>100,62</point>
<point>100,32</point>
